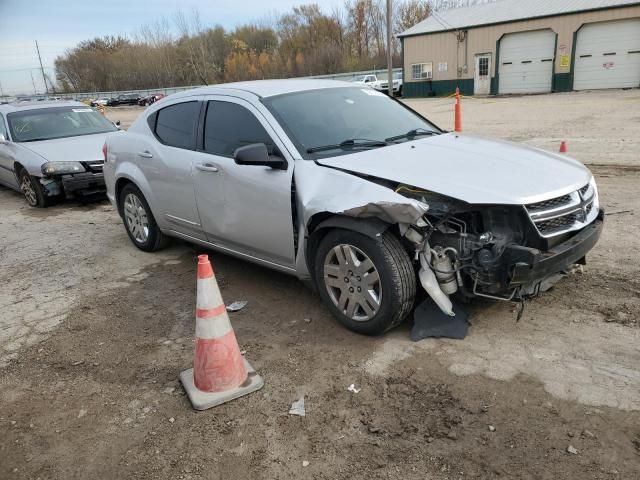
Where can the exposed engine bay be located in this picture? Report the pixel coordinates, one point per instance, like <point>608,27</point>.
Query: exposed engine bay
<point>477,250</point>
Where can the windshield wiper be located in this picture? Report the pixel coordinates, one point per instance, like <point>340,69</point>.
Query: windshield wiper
<point>352,142</point>
<point>411,134</point>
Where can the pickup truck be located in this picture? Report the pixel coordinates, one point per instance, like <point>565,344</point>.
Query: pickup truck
<point>380,83</point>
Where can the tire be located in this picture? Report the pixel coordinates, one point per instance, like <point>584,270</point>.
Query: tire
<point>33,191</point>
<point>394,290</point>
<point>138,220</point>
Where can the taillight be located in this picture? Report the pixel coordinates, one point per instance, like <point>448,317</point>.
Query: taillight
<point>104,151</point>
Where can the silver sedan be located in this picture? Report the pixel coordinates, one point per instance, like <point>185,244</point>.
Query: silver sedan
<point>49,150</point>
<point>354,192</point>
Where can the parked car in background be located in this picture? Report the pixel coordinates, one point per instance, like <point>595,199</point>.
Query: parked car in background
<point>303,176</point>
<point>381,84</point>
<point>125,99</point>
<point>100,101</point>
<point>365,79</point>
<point>150,99</point>
<point>49,150</point>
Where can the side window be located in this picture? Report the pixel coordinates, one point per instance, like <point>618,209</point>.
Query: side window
<point>229,126</point>
<point>176,125</point>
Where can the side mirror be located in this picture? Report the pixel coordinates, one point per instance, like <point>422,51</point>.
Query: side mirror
<point>117,124</point>
<point>2,139</point>
<point>258,154</point>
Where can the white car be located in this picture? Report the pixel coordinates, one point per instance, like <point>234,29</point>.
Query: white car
<point>380,82</point>
<point>100,101</point>
<point>302,176</point>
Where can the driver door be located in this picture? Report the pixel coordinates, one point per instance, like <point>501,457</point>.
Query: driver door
<point>246,209</point>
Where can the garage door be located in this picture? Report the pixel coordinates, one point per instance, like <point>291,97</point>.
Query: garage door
<point>526,62</point>
<point>608,55</point>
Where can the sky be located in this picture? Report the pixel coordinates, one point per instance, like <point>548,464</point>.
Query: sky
<point>61,24</point>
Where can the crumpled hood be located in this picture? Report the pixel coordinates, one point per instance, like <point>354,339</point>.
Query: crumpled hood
<point>471,168</point>
<point>71,149</point>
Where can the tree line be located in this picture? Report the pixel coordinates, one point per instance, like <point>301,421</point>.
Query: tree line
<point>304,41</point>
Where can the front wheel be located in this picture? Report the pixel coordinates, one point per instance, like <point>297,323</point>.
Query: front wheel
<point>138,220</point>
<point>33,191</point>
<point>368,284</point>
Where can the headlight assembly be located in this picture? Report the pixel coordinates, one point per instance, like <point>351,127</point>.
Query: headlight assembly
<point>61,168</point>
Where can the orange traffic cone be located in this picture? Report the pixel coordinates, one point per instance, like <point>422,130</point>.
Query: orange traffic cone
<point>219,372</point>
<point>563,147</point>
<point>458,113</point>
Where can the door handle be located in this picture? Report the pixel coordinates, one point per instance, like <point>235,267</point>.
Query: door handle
<point>206,167</point>
<point>145,154</point>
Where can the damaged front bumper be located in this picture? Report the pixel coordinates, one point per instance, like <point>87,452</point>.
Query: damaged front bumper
<point>77,184</point>
<point>532,266</point>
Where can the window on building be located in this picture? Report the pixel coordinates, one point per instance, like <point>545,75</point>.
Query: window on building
<point>421,71</point>
<point>229,126</point>
<point>483,66</point>
<point>176,125</point>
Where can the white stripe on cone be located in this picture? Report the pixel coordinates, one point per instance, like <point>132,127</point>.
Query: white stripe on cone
<point>208,298</point>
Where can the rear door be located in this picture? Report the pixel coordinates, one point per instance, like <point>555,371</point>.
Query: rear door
<point>167,159</point>
<point>243,208</point>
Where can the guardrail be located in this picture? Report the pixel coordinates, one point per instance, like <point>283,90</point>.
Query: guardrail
<point>170,90</point>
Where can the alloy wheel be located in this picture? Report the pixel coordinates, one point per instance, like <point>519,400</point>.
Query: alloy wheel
<point>136,218</point>
<point>29,192</point>
<point>353,282</point>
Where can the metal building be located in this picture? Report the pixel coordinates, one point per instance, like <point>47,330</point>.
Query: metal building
<point>524,46</point>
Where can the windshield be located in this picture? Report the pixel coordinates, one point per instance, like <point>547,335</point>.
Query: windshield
<point>359,78</point>
<point>57,122</point>
<point>331,116</point>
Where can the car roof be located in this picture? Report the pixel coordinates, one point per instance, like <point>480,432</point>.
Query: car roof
<point>267,88</point>
<point>34,105</point>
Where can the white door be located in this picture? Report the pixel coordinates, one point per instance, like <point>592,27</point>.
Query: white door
<point>482,75</point>
<point>608,55</point>
<point>526,62</point>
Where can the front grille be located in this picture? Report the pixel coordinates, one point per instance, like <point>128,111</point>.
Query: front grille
<point>565,213</point>
<point>583,190</point>
<point>550,204</point>
<point>94,166</point>
<point>555,225</point>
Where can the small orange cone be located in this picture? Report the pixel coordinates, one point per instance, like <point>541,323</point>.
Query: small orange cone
<point>563,147</point>
<point>458,112</point>
<point>219,372</point>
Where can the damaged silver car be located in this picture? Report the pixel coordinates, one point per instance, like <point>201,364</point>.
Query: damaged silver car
<point>352,190</point>
<point>49,150</point>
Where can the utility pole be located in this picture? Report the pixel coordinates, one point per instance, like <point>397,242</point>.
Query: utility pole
<point>389,54</point>
<point>33,82</point>
<point>1,92</point>
<point>44,79</point>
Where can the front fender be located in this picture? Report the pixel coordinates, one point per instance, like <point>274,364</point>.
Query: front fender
<point>344,200</point>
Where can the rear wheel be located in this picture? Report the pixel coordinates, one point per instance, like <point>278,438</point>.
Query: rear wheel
<point>368,284</point>
<point>139,222</point>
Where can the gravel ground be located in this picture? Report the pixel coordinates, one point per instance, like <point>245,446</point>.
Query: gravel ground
<point>93,334</point>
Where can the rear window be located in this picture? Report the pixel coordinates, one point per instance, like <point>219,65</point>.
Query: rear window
<point>176,125</point>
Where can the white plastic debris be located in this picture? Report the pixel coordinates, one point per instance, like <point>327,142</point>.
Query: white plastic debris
<point>572,449</point>
<point>237,305</point>
<point>492,428</point>
<point>305,463</point>
<point>297,408</point>
<point>352,388</point>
